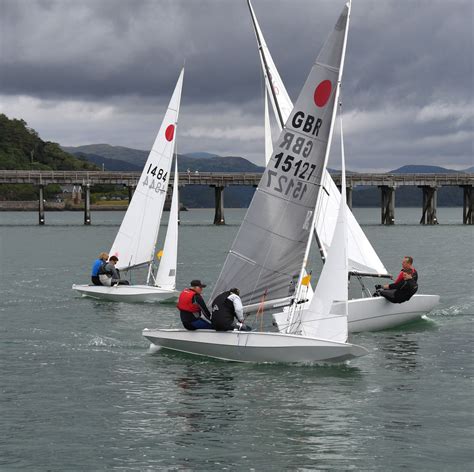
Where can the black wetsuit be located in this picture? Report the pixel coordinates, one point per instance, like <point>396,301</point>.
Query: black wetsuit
<point>223,313</point>
<point>400,292</point>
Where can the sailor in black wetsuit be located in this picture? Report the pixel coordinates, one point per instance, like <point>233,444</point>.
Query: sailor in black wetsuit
<point>402,291</point>
<point>228,312</point>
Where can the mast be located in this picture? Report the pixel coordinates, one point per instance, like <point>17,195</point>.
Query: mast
<point>267,74</point>
<point>326,156</point>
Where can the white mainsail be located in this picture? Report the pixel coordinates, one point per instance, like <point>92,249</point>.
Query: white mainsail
<point>279,97</point>
<point>268,133</point>
<point>362,256</point>
<point>269,250</point>
<point>323,318</point>
<point>135,242</point>
<point>166,275</point>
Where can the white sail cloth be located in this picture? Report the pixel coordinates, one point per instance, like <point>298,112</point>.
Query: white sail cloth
<point>268,251</point>
<point>166,275</point>
<point>135,242</point>
<point>322,318</point>
<point>362,256</point>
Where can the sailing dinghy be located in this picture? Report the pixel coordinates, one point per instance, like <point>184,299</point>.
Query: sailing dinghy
<point>135,243</point>
<point>366,313</point>
<point>267,253</point>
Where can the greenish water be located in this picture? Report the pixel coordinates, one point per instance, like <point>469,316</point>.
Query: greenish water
<point>80,389</point>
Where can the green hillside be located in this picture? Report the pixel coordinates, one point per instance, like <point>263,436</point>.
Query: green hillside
<point>22,148</point>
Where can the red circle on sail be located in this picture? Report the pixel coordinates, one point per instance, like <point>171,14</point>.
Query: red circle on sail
<point>169,133</point>
<point>322,93</point>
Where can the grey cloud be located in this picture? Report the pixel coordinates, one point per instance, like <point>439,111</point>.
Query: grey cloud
<point>402,56</point>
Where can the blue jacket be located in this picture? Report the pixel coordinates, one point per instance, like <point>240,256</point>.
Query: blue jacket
<point>96,267</point>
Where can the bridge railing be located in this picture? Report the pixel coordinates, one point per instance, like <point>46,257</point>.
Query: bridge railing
<point>224,178</point>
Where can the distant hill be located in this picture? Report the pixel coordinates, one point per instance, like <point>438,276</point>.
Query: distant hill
<point>123,158</point>
<point>201,155</point>
<point>469,170</point>
<point>109,164</point>
<point>133,156</point>
<point>419,169</point>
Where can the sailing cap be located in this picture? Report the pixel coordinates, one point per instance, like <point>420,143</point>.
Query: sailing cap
<point>197,283</point>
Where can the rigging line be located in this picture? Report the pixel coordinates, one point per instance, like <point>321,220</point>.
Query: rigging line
<point>265,64</point>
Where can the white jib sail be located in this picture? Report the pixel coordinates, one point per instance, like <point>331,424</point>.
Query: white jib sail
<point>135,242</point>
<point>361,254</point>
<point>323,319</point>
<point>166,275</point>
<point>268,252</point>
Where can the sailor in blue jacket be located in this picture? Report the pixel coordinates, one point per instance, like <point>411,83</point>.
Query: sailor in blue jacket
<point>98,263</point>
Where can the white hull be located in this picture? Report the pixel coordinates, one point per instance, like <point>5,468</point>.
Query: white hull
<point>253,346</point>
<point>375,314</point>
<point>127,293</point>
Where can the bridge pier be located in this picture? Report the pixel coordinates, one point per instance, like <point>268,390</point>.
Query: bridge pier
<point>41,205</point>
<point>388,204</point>
<point>349,189</point>
<point>430,202</point>
<point>468,205</point>
<point>131,191</point>
<point>219,199</point>
<point>87,205</point>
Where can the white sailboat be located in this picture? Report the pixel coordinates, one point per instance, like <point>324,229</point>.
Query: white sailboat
<point>267,253</point>
<point>366,313</point>
<point>135,243</point>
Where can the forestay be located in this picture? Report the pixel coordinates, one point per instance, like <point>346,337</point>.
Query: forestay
<point>361,254</point>
<point>267,254</point>
<point>135,242</point>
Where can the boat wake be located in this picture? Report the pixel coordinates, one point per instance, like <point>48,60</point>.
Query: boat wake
<point>458,309</point>
<point>103,341</point>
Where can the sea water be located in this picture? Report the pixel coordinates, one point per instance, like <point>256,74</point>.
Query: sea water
<point>81,389</point>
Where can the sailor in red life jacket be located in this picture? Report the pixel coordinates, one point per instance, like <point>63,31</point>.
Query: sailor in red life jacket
<point>192,306</point>
<point>407,263</point>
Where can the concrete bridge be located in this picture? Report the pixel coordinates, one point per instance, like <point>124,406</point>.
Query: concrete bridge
<point>388,183</point>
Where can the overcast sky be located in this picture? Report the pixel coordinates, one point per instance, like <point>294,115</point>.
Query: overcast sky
<point>102,71</point>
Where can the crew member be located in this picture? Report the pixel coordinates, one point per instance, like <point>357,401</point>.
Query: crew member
<point>402,291</point>
<point>407,263</point>
<point>98,263</point>
<point>228,312</point>
<point>109,275</point>
<point>192,307</point>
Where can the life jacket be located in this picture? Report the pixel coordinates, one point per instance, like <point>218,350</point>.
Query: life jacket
<point>185,301</point>
<point>223,312</point>
<point>97,268</point>
<point>104,271</point>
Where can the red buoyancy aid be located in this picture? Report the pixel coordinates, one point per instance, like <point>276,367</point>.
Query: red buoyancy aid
<point>185,301</point>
